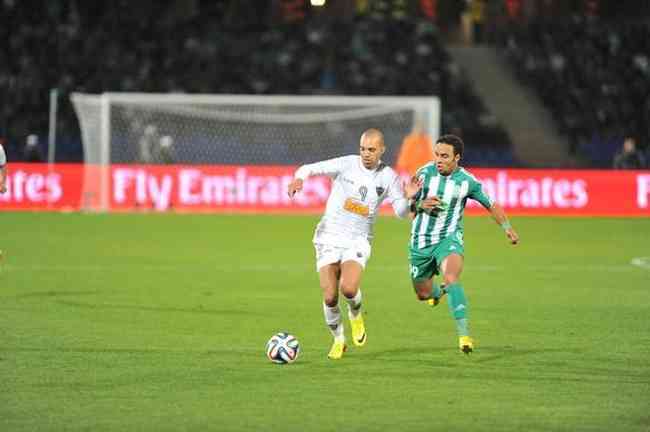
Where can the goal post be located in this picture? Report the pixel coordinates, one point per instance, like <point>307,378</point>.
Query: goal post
<point>201,129</point>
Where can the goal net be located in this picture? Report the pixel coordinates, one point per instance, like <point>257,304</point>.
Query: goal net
<point>124,128</point>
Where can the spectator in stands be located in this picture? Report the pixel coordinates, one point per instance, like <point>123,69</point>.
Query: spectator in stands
<point>32,151</point>
<point>477,10</point>
<point>629,157</point>
<point>591,68</point>
<point>416,150</point>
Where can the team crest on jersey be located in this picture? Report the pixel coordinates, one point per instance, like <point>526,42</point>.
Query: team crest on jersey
<point>380,190</point>
<point>363,191</point>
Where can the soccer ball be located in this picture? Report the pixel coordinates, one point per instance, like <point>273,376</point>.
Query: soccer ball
<point>282,348</point>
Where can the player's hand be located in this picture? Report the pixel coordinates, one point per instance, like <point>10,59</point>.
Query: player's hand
<point>412,187</point>
<point>294,186</point>
<point>512,236</point>
<point>3,188</point>
<point>432,204</point>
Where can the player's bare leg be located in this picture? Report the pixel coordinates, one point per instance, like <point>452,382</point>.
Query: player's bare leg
<point>427,290</point>
<point>351,272</point>
<point>423,289</point>
<point>328,276</point>
<point>452,267</point>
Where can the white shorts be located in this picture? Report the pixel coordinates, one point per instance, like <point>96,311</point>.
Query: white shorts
<point>326,253</point>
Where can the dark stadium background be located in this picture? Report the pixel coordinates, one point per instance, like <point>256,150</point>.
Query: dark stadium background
<point>584,61</point>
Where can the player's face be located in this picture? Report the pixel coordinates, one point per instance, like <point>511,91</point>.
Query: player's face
<point>446,160</point>
<point>371,149</point>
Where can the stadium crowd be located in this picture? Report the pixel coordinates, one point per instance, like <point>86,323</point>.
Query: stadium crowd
<point>222,47</point>
<point>593,74</point>
<point>590,66</point>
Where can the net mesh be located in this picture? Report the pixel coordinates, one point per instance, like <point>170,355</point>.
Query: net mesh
<point>245,135</point>
<point>223,133</point>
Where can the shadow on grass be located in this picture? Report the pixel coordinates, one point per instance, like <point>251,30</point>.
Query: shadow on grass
<point>446,357</point>
<point>481,355</point>
<point>496,353</point>
<point>509,363</point>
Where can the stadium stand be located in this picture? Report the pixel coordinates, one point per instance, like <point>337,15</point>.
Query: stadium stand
<point>221,47</point>
<point>592,73</point>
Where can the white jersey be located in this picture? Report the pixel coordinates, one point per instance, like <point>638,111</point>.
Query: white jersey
<point>356,195</point>
<point>3,157</point>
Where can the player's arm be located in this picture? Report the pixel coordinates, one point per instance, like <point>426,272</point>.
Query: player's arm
<point>496,211</point>
<point>3,178</point>
<point>429,204</point>
<point>402,195</point>
<point>3,170</point>
<point>330,168</point>
<point>500,217</point>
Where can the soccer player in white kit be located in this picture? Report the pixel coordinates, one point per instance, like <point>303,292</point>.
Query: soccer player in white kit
<point>343,235</point>
<point>3,170</point>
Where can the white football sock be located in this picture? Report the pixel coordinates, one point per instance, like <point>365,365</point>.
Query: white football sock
<point>354,305</point>
<point>333,321</point>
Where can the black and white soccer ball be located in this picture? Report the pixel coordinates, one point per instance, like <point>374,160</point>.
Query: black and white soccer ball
<point>282,348</point>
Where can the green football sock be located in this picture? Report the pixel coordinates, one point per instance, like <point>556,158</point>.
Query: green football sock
<point>462,327</point>
<point>458,307</point>
<point>437,291</point>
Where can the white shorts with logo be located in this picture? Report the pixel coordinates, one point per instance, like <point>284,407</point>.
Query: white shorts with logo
<point>358,250</point>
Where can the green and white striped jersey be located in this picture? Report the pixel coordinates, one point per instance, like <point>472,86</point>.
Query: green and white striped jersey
<point>428,229</point>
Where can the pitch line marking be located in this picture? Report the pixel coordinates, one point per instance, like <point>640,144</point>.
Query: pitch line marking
<point>643,262</point>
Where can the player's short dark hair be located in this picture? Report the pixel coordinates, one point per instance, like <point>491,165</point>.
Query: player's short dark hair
<point>453,141</point>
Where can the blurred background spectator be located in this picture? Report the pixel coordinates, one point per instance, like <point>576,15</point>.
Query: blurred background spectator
<point>32,150</point>
<point>165,153</point>
<point>147,144</point>
<point>629,157</point>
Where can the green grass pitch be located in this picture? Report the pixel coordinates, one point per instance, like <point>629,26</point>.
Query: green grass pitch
<point>159,322</point>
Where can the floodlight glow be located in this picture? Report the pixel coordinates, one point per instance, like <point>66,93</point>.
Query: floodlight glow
<point>318,2</point>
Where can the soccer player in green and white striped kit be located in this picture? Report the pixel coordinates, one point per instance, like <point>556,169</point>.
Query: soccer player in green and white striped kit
<point>436,244</point>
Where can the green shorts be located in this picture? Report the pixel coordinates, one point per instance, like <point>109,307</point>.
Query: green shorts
<point>425,263</point>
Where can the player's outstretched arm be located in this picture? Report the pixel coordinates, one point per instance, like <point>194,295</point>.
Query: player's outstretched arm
<point>3,170</point>
<point>402,193</point>
<point>294,186</point>
<point>412,187</point>
<point>500,217</point>
<point>330,168</point>
<point>3,179</point>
